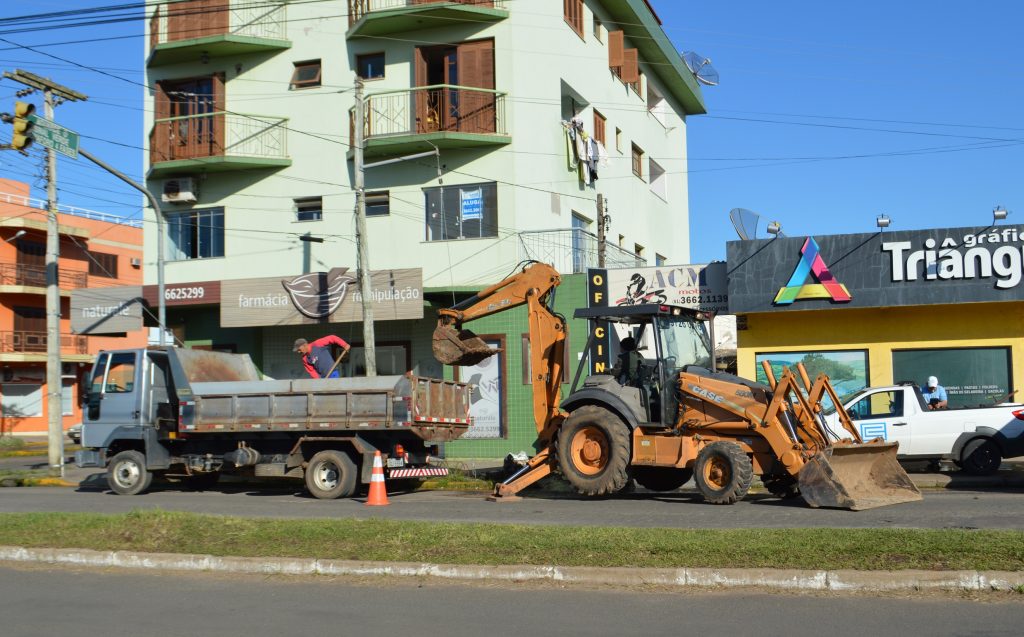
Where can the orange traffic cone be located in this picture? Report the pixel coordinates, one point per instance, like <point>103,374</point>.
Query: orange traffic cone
<point>378,493</point>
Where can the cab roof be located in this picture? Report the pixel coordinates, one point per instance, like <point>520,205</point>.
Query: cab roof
<point>637,313</point>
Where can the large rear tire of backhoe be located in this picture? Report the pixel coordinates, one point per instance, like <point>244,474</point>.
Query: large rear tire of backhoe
<point>723,472</point>
<point>661,478</point>
<point>594,451</point>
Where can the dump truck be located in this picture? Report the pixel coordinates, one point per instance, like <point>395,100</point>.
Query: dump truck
<point>197,414</point>
<point>673,418</point>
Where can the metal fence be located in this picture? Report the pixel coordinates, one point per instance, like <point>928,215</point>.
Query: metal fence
<point>359,8</point>
<point>39,204</point>
<point>265,19</point>
<point>23,342</point>
<point>218,135</point>
<point>35,276</point>
<point>573,250</point>
<point>436,108</point>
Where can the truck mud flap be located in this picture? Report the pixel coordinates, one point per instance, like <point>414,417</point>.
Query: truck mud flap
<point>856,477</point>
<point>454,347</point>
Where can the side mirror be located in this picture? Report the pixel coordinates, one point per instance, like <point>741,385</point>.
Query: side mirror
<point>93,401</point>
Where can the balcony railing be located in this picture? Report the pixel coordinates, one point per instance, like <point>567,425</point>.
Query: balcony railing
<point>195,19</point>
<point>35,276</point>
<point>218,135</point>
<point>23,342</point>
<point>359,8</point>
<point>573,250</point>
<point>441,108</point>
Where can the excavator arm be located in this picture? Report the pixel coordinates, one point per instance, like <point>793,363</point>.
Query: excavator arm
<point>534,286</point>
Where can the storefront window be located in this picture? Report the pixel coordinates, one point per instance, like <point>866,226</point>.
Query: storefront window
<point>392,360</point>
<point>971,376</point>
<point>21,401</point>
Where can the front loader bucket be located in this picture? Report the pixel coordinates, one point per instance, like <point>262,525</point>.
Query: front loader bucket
<point>452,347</point>
<point>856,477</point>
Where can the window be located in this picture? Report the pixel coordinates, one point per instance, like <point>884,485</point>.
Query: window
<point>102,264</point>
<point>599,122</point>
<point>67,398</point>
<point>598,34</point>
<point>659,183</point>
<point>884,404</point>
<point>120,374</point>
<point>21,401</point>
<point>581,243</point>
<point>196,234</point>
<point>638,250</point>
<point>657,106</point>
<point>370,66</point>
<point>467,211</point>
<point>392,360</point>
<point>637,86</point>
<point>378,204</point>
<point>574,14</point>
<point>618,139</point>
<point>622,240</point>
<point>638,161</point>
<point>306,74</point>
<point>659,260</point>
<point>309,209</point>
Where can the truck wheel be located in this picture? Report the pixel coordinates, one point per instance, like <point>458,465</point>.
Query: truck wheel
<point>723,473</point>
<point>594,451</point>
<point>661,478</point>
<point>330,475</point>
<point>127,473</point>
<point>981,457</point>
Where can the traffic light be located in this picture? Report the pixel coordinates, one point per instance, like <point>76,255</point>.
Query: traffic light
<point>22,137</point>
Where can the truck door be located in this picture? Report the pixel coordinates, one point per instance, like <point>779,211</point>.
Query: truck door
<point>113,395</point>
<point>882,414</point>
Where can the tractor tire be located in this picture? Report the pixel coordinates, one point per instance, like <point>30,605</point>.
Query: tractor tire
<point>723,473</point>
<point>594,451</point>
<point>661,478</point>
<point>782,487</point>
<point>331,475</point>
<point>127,473</point>
<point>981,457</point>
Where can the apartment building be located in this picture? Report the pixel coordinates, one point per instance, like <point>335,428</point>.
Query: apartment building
<point>251,124</point>
<point>96,251</point>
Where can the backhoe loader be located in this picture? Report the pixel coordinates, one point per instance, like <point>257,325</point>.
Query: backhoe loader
<point>671,418</point>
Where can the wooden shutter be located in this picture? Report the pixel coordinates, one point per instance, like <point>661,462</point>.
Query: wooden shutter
<point>476,109</point>
<point>599,127</point>
<point>219,121</point>
<point>630,66</point>
<point>421,96</point>
<point>616,45</point>
<point>160,136</point>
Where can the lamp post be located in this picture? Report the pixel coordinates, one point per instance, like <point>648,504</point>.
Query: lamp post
<point>19,233</point>
<point>883,222</point>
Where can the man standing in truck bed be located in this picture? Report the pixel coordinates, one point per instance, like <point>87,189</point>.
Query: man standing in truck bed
<point>317,358</point>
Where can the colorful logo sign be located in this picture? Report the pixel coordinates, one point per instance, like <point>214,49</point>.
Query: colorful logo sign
<point>812,263</point>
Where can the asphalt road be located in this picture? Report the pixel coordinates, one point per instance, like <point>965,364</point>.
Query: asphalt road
<point>990,509</point>
<point>69,602</point>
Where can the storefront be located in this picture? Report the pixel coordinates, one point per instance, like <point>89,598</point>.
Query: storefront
<point>874,309</point>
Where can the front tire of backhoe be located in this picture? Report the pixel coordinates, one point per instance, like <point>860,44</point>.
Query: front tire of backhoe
<point>723,473</point>
<point>594,451</point>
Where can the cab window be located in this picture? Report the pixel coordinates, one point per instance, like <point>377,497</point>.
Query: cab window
<point>120,375</point>
<point>883,404</point>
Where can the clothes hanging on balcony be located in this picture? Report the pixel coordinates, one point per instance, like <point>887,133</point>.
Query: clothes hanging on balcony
<point>593,157</point>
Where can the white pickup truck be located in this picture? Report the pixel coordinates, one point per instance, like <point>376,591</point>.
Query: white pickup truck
<point>975,439</point>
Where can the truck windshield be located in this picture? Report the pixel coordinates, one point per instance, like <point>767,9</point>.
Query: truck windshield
<point>684,342</point>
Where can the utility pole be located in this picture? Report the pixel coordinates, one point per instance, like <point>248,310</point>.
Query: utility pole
<point>601,231</point>
<point>365,285</point>
<point>54,383</point>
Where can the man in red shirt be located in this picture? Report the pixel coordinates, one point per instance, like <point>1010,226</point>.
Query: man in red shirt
<point>316,356</point>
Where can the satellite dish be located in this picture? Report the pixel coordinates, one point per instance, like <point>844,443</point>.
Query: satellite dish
<point>745,222</point>
<point>701,68</point>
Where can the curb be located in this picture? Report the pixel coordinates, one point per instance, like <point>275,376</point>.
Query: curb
<point>776,579</point>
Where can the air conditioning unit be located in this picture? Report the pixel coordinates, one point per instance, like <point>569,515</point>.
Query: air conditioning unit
<point>136,262</point>
<point>180,190</point>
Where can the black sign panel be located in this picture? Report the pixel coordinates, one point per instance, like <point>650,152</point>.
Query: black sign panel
<point>920,267</point>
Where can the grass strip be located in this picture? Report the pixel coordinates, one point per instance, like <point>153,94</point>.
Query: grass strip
<point>495,544</point>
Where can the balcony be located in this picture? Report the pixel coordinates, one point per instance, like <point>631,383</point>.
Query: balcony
<point>442,115</point>
<point>217,142</point>
<point>16,278</point>
<point>384,17</point>
<point>573,250</point>
<point>198,30</point>
<point>20,346</point>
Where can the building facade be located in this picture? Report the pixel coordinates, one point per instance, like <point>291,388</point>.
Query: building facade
<point>97,251</point>
<point>501,105</point>
<point>877,309</point>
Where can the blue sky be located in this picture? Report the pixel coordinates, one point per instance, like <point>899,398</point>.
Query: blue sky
<point>828,114</point>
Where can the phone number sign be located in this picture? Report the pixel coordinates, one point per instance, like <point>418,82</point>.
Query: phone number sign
<point>193,293</point>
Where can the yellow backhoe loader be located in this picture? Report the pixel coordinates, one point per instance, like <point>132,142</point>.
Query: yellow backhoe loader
<point>666,417</point>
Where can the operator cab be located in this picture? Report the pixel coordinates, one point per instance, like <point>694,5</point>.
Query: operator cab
<point>680,342</point>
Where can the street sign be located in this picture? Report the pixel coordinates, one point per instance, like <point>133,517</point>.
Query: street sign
<point>54,136</point>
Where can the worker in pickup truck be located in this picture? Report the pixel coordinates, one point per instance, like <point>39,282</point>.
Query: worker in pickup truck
<point>935,394</point>
<point>317,358</point>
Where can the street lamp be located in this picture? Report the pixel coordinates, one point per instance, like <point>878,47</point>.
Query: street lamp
<point>775,228</point>
<point>19,233</point>
<point>999,213</point>
<point>883,222</point>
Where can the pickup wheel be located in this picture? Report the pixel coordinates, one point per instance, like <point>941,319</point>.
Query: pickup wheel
<point>981,457</point>
<point>723,473</point>
<point>661,478</point>
<point>594,451</point>
<point>330,475</point>
<point>127,473</point>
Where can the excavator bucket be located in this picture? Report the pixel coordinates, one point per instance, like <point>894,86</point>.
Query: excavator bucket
<point>856,477</point>
<point>454,347</point>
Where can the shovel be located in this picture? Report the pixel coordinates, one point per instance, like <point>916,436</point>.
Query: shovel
<point>455,347</point>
